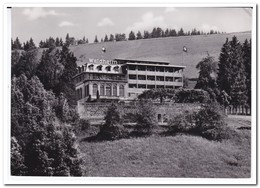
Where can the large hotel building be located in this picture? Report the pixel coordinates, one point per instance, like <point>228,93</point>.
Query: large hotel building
<point>124,79</point>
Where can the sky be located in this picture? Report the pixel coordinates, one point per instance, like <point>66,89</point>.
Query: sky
<point>42,22</point>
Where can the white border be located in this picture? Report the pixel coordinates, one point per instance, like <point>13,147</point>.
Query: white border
<point>95,180</point>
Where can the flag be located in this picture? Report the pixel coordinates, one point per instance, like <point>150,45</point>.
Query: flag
<point>104,49</point>
<point>185,49</point>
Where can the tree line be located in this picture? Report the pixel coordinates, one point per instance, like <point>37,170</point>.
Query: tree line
<point>43,117</point>
<point>228,80</point>
<point>156,32</point>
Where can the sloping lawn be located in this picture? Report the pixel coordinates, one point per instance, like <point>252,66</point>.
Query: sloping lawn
<point>171,156</point>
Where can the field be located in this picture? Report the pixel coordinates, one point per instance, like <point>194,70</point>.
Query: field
<point>172,156</point>
<point>161,49</point>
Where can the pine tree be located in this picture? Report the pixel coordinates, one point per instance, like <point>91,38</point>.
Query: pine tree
<point>17,44</point>
<point>96,40</point>
<point>181,32</point>
<point>57,41</point>
<point>247,63</point>
<point>224,77</point>
<point>154,33</point>
<point>66,85</point>
<point>232,73</point>
<point>159,32</point>
<point>61,42</point>
<point>167,34</point>
<point>50,70</point>
<point>139,35</point>
<point>41,44</point>
<point>111,38</point>
<point>146,35</point>
<point>131,36</point>
<point>27,64</point>
<point>106,38</point>
<point>67,39</point>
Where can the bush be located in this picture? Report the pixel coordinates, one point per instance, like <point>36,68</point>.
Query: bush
<point>113,128</point>
<point>191,96</point>
<point>17,159</point>
<point>182,123</point>
<point>210,122</point>
<point>146,120</point>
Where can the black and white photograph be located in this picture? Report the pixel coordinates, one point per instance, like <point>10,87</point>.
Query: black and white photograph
<point>154,92</point>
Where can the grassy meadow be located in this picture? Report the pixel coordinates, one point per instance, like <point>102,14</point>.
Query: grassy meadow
<point>172,156</point>
<point>160,49</point>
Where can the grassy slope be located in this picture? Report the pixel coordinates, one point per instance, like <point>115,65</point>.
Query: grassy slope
<point>178,156</point>
<point>164,49</point>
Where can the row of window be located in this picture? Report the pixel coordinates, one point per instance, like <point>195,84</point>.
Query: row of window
<point>105,90</point>
<point>153,78</point>
<point>144,86</point>
<point>100,68</point>
<point>93,76</point>
<point>153,68</point>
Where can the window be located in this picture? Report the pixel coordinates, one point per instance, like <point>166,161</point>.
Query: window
<point>132,86</point>
<point>91,67</point>
<point>150,86</point>
<point>149,68</point>
<point>132,77</point>
<point>121,90</point>
<point>116,68</point>
<point>108,68</point>
<point>150,77</point>
<point>99,67</point>
<point>160,86</point>
<point>95,88</point>
<point>108,90</point>
<point>102,90</point>
<point>178,80</point>
<point>143,86</point>
<point>159,78</point>
<point>86,90</point>
<point>141,68</point>
<point>131,67</point>
<point>80,94</point>
<point>168,69</point>
<point>159,69</point>
<point>141,77</point>
<point>169,79</point>
<point>114,90</point>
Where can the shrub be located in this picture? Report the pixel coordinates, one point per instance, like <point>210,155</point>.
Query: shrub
<point>146,120</point>
<point>17,159</point>
<point>183,123</point>
<point>191,96</point>
<point>210,122</point>
<point>113,128</point>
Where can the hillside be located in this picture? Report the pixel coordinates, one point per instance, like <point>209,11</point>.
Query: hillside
<point>161,49</point>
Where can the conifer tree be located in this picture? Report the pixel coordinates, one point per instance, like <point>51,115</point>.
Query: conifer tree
<point>96,40</point>
<point>106,38</point>
<point>111,38</point>
<point>131,36</point>
<point>17,44</point>
<point>232,73</point>
<point>139,35</point>
<point>247,63</point>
